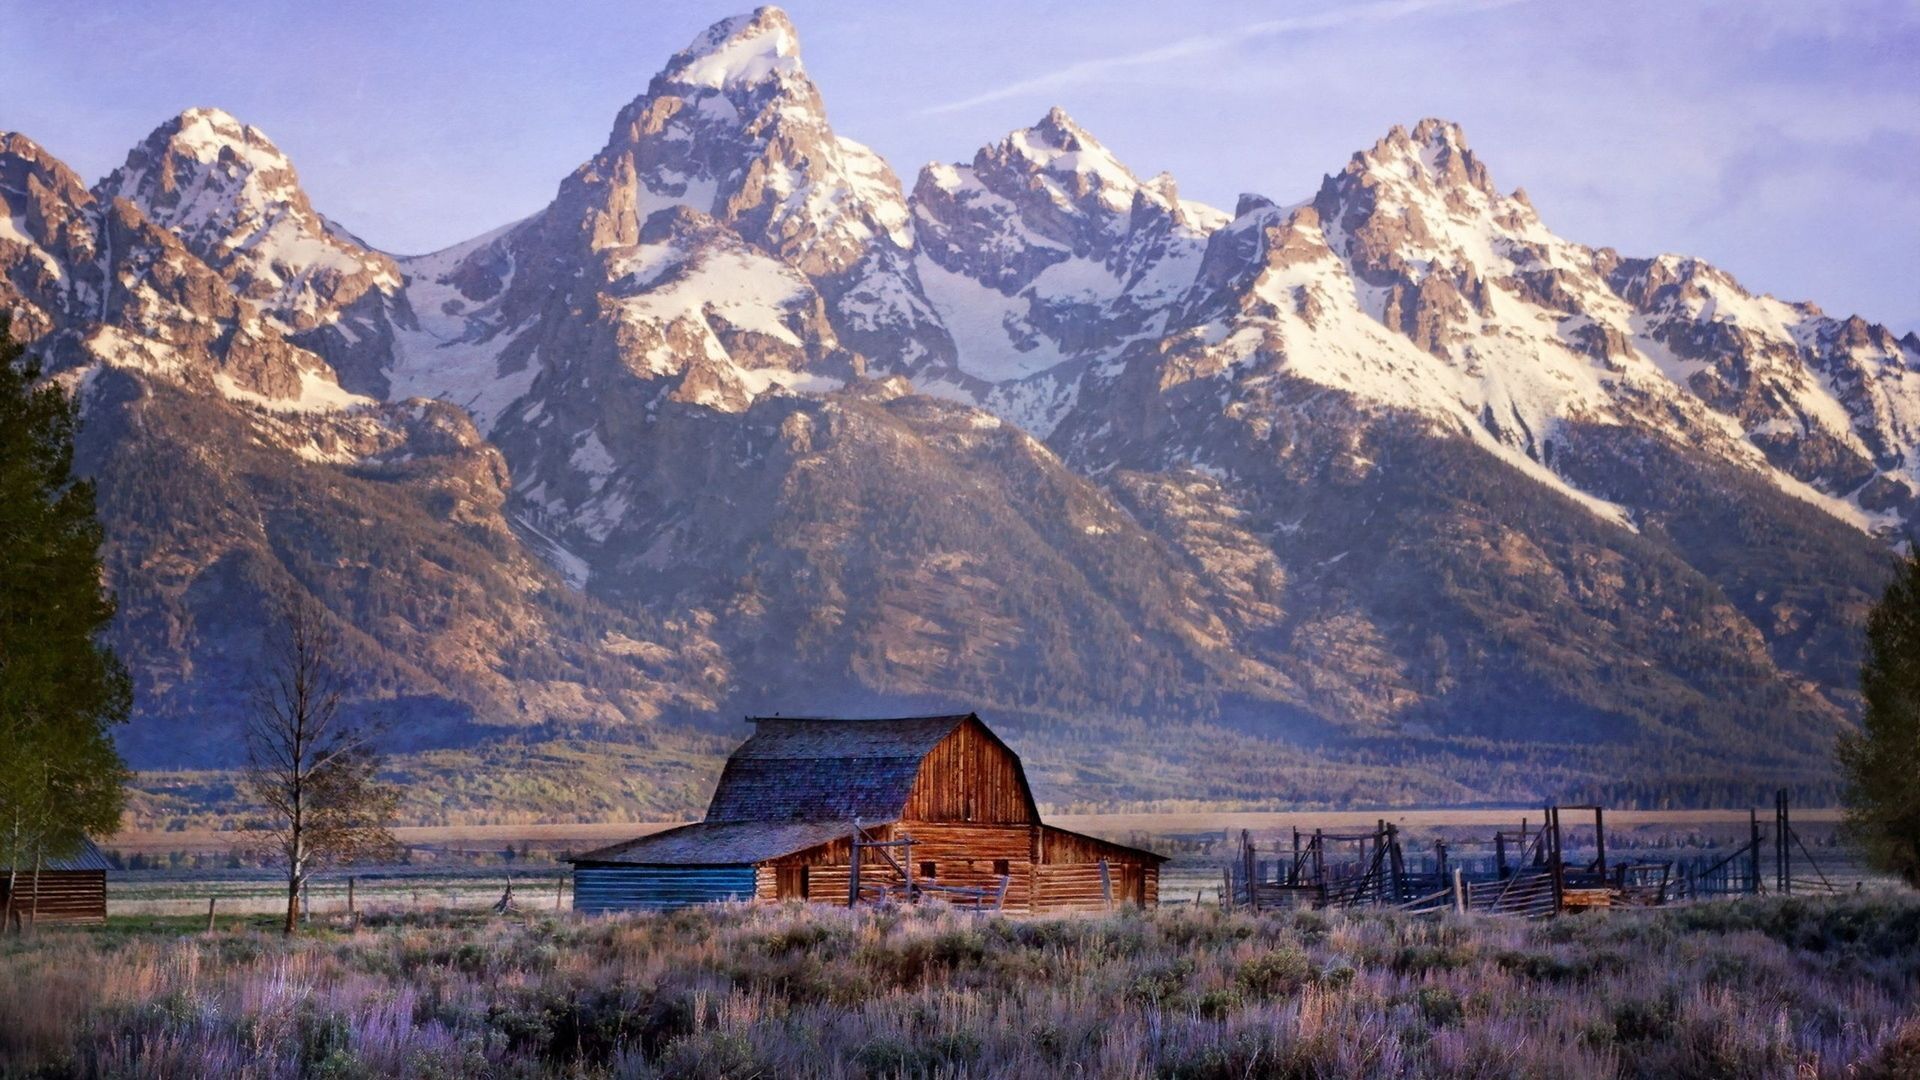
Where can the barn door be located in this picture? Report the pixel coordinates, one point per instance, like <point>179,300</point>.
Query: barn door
<point>790,882</point>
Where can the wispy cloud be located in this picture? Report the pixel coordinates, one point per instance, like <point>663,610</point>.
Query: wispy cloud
<point>1198,45</point>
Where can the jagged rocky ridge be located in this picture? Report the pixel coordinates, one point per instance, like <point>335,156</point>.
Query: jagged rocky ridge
<point>736,421</point>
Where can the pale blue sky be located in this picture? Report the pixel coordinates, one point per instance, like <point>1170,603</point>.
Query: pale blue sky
<point>1779,140</point>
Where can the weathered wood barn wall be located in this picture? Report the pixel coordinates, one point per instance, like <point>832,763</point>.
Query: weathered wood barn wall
<point>67,890</point>
<point>781,826</point>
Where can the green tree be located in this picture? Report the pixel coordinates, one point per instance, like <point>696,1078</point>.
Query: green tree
<point>1881,761</point>
<point>61,688</point>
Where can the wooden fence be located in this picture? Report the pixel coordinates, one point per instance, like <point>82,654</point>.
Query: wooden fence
<point>1530,873</point>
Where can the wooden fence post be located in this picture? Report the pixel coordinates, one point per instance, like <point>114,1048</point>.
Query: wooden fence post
<point>1249,870</point>
<point>1556,860</point>
<point>560,893</point>
<point>1106,885</point>
<point>209,914</point>
<point>1753,852</point>
<point>1398,862</point>
<point>1459,893</point>
<point>1600,839</point>
<point>853,870</point>
<point>1782,851</point>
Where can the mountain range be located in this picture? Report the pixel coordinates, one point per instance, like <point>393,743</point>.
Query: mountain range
<point>1387,494</point>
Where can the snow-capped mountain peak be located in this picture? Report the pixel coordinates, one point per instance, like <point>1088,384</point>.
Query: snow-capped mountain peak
<point>742,51</point>
<point>207,133</point>
<point>734,129</point>
<point>1435,153</point>
<point>1059,148</point>
<point>1060,159</point>
<point>234,199</point>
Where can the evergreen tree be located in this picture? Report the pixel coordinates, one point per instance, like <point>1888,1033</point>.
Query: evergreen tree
<point>1881,761</point>
<point>61,689</point>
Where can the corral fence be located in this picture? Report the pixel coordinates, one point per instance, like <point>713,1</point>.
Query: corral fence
<point>1525,872</point>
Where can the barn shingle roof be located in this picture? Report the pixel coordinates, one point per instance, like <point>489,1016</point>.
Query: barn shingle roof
<point>817,770</point>
<point>714,843</point>
<point>88,857</point>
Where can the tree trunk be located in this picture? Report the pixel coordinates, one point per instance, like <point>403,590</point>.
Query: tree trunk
<point>293,899</point>
<point>296,856</point>
<point>8,918</point>
<point>33,916</point>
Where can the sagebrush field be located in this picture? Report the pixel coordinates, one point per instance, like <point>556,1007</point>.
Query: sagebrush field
<point>1776,987</point>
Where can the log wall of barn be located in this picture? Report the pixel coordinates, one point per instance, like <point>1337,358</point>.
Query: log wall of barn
<point>965,855</point>
<point>962,854</point>
<point>65,896</point>
<point>1070,860</point>
<point>1080,887</point>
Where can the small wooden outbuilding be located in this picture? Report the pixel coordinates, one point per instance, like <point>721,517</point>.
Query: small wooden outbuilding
<point>938,805</point>
<point>67,890</point>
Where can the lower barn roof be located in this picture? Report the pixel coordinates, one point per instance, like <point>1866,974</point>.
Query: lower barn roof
<point>88,857</point>
<point>720,843</point>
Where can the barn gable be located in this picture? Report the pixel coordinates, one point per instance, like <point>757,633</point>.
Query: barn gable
<point>971,776</point>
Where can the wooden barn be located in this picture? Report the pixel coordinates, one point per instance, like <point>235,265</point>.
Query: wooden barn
<point>69,890</point>
<point>937,805</point>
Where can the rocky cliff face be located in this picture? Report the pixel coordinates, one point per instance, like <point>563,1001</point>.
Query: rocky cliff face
<point>1392,471</point>
<point>1044,255</point>
<point>232,465</point>
<point>233,199</point>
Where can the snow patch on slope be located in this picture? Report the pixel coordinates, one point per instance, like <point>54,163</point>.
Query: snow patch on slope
<point>318,393</point>
<point>453,352</point>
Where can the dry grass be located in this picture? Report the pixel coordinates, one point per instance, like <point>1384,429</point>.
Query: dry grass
<point>1774,987</point>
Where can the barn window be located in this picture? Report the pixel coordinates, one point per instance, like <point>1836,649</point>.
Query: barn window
<point>927,870</point>
<point>1002,867</point>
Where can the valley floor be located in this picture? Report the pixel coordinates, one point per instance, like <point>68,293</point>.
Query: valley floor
<point>1775,987</point>
<point>561,835</point>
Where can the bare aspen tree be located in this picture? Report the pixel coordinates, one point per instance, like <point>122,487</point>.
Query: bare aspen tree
<point>308,765</point>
